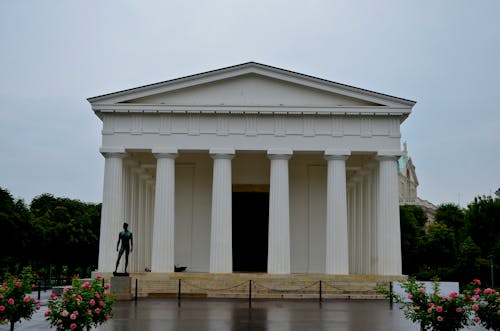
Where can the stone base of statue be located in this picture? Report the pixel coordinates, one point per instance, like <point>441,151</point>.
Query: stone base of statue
<point>121,286</point>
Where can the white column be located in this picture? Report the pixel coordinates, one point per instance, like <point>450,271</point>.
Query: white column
<point>366,254</point>
<point>278,261</point>
<point>374,220</point>
<point>162,251</point>
<point>337,246</point>
<point>112,207</point>
<point>221,243</point>
<point>142,239</point>
<point>133,220</point>
<point>149,222</point>
<point>351,223</point>
<point>389,240</point>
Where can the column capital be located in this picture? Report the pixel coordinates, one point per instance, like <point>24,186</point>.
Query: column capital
<point>388,155</point>
<point>337,154</point>
<point>221,153</point>
<point>279,153</point>
<point>164,152</point>
<point>113,152</point>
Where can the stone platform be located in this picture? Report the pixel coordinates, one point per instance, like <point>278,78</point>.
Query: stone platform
<point>237,285</point>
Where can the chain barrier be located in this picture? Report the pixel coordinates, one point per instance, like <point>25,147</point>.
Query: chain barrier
<point>213,289</point>
<point>285,290</point>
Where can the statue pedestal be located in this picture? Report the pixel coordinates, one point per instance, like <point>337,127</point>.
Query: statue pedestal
<point>121,287</point>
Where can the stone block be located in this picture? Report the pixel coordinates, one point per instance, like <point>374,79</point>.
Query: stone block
<point>121,287</point>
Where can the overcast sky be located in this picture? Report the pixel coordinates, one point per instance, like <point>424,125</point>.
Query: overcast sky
<point>55,54</point>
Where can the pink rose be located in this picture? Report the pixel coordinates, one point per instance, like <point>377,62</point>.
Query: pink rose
<point>1,296</point>
<point>37,307</point>
<point>89,311</point>
<point>429,310</point>
<point>439,318</point>
<point>64,313</point>
<point>475,307</point>
<point>92,302</point>
<point>72,326</point>
<point>11,301</point>
<point>33,286</point>
<point>477,291</point>
<point>75,312</point>
<point>106,285</point>
<point>410,296</point>
<point>107,317</point>
<point>53,295</point>
<point>98,276</point>
<point>97,311</point>
<point>97,296</point>
<point>86,284</point>
<point>26,299</point>
<point>453,294</point>
<point>19,284</point>
<point>422,290</point>
<point>102,303</point>
<point>431,305</point>
<point>439,309</point>
<point>458,310</point>
<point>477,282</point>
<point>477,320</point>
<point>488,291</point>
<point>72,317</point>
<point>2,308</point>
<point>47,313</point>
<point>105,293</point>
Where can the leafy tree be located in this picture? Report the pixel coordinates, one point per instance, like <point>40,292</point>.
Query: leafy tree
<point>440,254</point>
<point>16,228</point>
<point>412,220</point>
<point>453,217</point>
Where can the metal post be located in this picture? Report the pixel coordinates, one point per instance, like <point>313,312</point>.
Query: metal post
<point>179,294</point>
<point>390,298</point>
<point>320,291</point>
<point>135,298</point>
<point>491,271</point>
<point>250,293</point>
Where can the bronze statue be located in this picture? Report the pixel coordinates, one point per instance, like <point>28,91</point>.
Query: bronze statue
<point>125,237</point>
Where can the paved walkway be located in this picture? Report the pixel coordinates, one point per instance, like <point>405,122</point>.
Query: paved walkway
<point>220,315</point>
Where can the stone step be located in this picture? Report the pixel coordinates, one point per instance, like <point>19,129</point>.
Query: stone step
<point>296,286</point>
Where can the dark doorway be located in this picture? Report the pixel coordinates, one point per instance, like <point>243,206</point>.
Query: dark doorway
<point>250,229</point>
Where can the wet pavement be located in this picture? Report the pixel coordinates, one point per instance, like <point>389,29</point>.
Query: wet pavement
<point>235,314</point>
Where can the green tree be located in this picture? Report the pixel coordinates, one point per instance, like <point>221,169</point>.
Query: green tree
<point>483,216</point>
<point>15,222</point>
<point>453,217</point>
<point>440,253</point>
<point>412,220</point>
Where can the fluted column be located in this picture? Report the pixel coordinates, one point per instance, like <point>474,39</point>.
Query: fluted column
<point>389,240</point>
<point>112,207</point>
<point>337,247</point>
<point>278,261</point>
<point>221,243</point>
<point>366,234</point>
<point>162,253</point>
<point>143,239</point>
<point>374,220</point>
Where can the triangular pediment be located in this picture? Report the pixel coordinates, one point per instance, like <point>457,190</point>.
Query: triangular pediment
<point>250,85</point>
<point>252,90</point>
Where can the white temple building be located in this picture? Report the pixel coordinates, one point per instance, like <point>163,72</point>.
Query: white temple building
<point>252,168</point>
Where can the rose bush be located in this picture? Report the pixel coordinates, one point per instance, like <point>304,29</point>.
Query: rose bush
<point>15,303</point>
<point>81,306</point>
<point>434,311</point>
<point>486,305</point>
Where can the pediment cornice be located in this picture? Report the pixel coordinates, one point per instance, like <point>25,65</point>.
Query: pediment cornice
<point>380,104</point>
